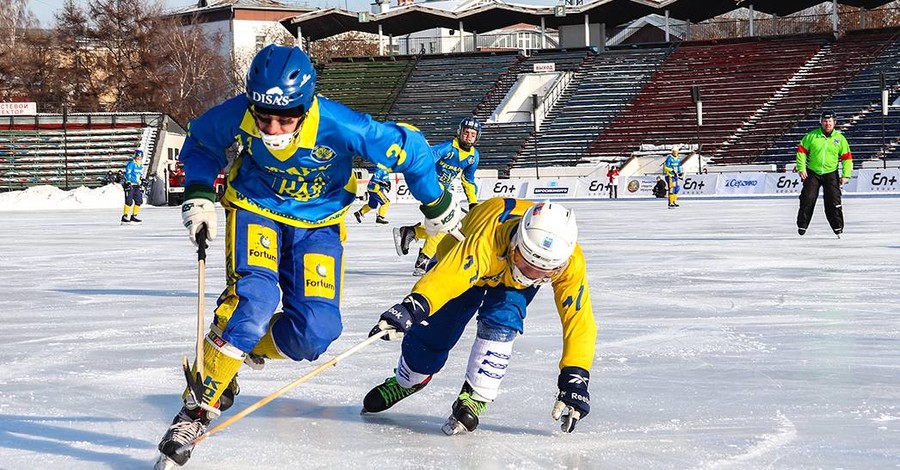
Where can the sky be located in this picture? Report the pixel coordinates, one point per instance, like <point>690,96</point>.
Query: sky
<point>726,341</point>
<point>45,9</point>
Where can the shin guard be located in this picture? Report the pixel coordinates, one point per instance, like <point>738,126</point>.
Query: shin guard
<point>487,367</point>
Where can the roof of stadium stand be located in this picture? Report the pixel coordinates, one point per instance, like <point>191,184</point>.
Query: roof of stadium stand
<point>489,15</point>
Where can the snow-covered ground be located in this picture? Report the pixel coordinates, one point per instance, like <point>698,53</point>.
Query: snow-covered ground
<point>726,342</point>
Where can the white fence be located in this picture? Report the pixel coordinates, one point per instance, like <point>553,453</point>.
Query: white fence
<point>865,181</point>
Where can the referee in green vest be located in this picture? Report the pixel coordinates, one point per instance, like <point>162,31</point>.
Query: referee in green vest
<point>818,155</point>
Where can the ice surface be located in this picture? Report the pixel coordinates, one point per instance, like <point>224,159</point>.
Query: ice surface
<point>726,342</point>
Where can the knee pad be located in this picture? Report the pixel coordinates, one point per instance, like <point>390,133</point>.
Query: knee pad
<point>488,362</point>
<point>406,377</point>
<point>305,335</point>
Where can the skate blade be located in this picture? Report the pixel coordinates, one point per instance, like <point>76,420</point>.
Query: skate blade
<point>164,463</point>
<point>453,427</point>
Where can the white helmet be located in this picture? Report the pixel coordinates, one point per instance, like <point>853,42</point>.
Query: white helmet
<point>543,243</point>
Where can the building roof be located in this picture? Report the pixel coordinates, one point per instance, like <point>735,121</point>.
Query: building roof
<point>208,6</point>
<point>489,15</point>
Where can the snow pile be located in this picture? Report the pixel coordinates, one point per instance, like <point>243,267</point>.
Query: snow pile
<point>52,198</point>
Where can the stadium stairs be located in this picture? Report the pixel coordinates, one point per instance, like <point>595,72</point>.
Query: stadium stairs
<point>603,86</point>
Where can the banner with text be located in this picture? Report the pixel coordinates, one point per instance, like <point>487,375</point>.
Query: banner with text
<point>741,183</point>
<point>561,188</point>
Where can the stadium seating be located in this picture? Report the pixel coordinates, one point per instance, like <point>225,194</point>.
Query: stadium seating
<point>502,141</point>
<point>41,150</point>
<point>601,89</point>
<point>368,84</point>
<point>858,107</point>
<point>736,77</point>
<point>833,69</point>
<point>443,89</point>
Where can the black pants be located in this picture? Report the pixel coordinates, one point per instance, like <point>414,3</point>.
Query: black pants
<point>613,191</point>
<point>831,184</point>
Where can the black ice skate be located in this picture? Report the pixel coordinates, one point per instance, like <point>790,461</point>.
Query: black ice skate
<point>187,426</point>
<point>389,394</point>
<point>381,220</point>
<point>403,237</point>
<point>135,220</point>
<point>358,216</point>
<point>125,220</point>
<point>421,264</point>
<point>465,412</point>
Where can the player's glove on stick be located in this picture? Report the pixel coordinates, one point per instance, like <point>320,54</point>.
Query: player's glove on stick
<point>199,210</point>
<point>398,319</point>
<point>443,216</point>
<point>573,401</point>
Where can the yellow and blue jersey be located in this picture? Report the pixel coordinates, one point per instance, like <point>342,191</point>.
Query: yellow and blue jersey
<point>451,160</point>
<point>672,166</point>
<point>379,182</point>
<point>310,183</point>
<point>480,260</point>
<point>133,171</point>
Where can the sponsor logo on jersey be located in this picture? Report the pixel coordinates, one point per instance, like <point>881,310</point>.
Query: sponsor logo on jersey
<point>836,141</point>
<point>322,153</point>
<point>318,276</point>
<point>262,247</point>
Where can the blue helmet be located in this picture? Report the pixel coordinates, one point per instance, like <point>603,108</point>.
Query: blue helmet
<point>281,80</point>
<point>470,123</point>
<point>138,154</point>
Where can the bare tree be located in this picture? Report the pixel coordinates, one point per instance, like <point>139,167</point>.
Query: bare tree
<point>193,76</point>
<point>349,44</point>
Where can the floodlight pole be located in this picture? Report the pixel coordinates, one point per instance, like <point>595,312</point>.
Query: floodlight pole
<point>535,102</point>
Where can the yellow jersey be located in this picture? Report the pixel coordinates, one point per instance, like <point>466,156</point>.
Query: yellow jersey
<point>480,261</point>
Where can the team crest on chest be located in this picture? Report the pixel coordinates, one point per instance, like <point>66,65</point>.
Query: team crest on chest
<point>322,153</point>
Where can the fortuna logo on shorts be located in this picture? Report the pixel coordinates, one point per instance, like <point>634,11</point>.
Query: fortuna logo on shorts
<point>262,247</point>
<point>319,276</point>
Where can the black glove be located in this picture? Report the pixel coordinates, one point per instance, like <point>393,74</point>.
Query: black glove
<point>398,319</point>
<point>573,401</point>
<point>126,185</point>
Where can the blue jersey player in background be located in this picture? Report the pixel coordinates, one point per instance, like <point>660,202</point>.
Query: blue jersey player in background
<point>288,193</point>
<point>131,183</point>
<point>376,192</point>
<point>457,156</point>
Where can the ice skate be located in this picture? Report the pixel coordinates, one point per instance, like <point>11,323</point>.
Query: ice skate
<point>135,220</point>
<point>801,231</point>
<point>125,220</point>
<point>403,237</point>
<point>381,220</point>
<point>358,216</point>
<point>421,264</point>
<point>187,426</point>
<point>465,412</point>
<point>389,394</point>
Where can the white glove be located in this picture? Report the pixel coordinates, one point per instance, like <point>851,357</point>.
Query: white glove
<point>196,213</point>
<point>444,216</point>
